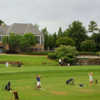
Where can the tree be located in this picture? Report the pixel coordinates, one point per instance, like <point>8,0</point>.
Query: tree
<point>12,41</point>
<point>5,40</point>
<point>55,38</point>
<point>96,38</point>
<point>45,33</point>
<point>17,43</point>
<point>77,32</point>
<point>52,41</point>
<point>93,27</point>
<point>65,41</point>
<point>88,45</point>
<point>60,33</point>
<point>27,42</point>
<point>1,22</point>
<point>67,53</point>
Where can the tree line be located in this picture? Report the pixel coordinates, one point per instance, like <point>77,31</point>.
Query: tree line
<point>75,35</point>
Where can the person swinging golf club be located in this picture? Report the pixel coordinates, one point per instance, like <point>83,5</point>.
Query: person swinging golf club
<point>91,78</point>
<point>38,81</point>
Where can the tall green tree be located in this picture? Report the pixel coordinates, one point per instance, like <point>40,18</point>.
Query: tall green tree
<point>46,38</point>
<point>54,40</point>
<point>60,33</point>
<point>27,42</point>
<point>12,41</point>
<point>93,27</point>
<point>77,32</point>
<point>51,42</point>
<point>96,38</point>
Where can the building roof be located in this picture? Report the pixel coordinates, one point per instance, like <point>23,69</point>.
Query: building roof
<point>20,28</point>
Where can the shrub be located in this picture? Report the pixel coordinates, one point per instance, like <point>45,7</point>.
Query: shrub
<point>27,42</point>
<point>98,53</point>
<point>67,53</point>
<point>64,41</point>
<point>88,45</point>
<point>87,53</point>
<point>37,53</point>
<point>52,55</point>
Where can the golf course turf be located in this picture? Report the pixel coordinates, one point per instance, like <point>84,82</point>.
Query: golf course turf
<point>53,79</point>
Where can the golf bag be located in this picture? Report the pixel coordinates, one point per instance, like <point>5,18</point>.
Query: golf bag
<point>16,97</point>
<point>70,81</point>
<point>8,86</point>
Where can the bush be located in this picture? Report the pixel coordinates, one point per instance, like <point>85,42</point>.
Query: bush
<point>52,55</point>
<point>65,41</point>
<point>10,52</point>
<point>87,53</point>
<point>37,53</point>
<point>88,45</point>
<point>27,42</point>
<point>16,43</point>
<point>67,53</point>
<point>98,53</point>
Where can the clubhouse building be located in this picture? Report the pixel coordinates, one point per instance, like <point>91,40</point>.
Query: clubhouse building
<point>21,29</point>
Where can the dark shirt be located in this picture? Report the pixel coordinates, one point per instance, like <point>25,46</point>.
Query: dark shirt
<point>16,95</point>
<point>38,78</point>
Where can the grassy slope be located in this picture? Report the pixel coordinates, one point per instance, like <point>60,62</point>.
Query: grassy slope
<point>52,78</point>
<point>29,60</point>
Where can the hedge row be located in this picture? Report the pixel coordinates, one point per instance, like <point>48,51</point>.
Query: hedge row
<point>52,55</point>
<point>38,53</point>
<point>89,53</point>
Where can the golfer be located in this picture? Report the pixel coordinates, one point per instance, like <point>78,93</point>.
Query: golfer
<point>38,81</point>
<point>91,78</point>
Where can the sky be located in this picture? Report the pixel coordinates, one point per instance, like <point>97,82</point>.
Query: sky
<point>50,13</point>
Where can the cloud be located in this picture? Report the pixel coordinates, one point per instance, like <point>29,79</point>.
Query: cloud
<point>49,13</point>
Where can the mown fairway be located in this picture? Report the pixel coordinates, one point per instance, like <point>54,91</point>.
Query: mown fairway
<point>53,79</point>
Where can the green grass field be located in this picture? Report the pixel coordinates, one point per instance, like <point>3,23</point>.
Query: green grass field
<point>53,78</point>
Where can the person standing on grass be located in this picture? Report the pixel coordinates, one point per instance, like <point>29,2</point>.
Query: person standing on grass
<point>6,64</point>
<point>60,61</point>
<point>38,81</point>
<point>15,93</point>
<point>91,78</point>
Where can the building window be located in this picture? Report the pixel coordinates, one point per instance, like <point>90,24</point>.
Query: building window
<point>38,39</point>
<point>0,38</point>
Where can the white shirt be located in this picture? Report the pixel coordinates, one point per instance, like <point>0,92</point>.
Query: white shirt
<point>59,60</point>
<point>6,64</point>
<point>90,77</point>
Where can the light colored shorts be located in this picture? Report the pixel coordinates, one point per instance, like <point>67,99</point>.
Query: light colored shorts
<point>38,83</point>
<point>91,81</point>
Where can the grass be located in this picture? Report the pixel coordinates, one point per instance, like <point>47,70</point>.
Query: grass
<point>53,80</point>
<point>29,60</point>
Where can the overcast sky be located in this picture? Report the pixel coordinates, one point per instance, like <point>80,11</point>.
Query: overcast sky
<point>49,13</point>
